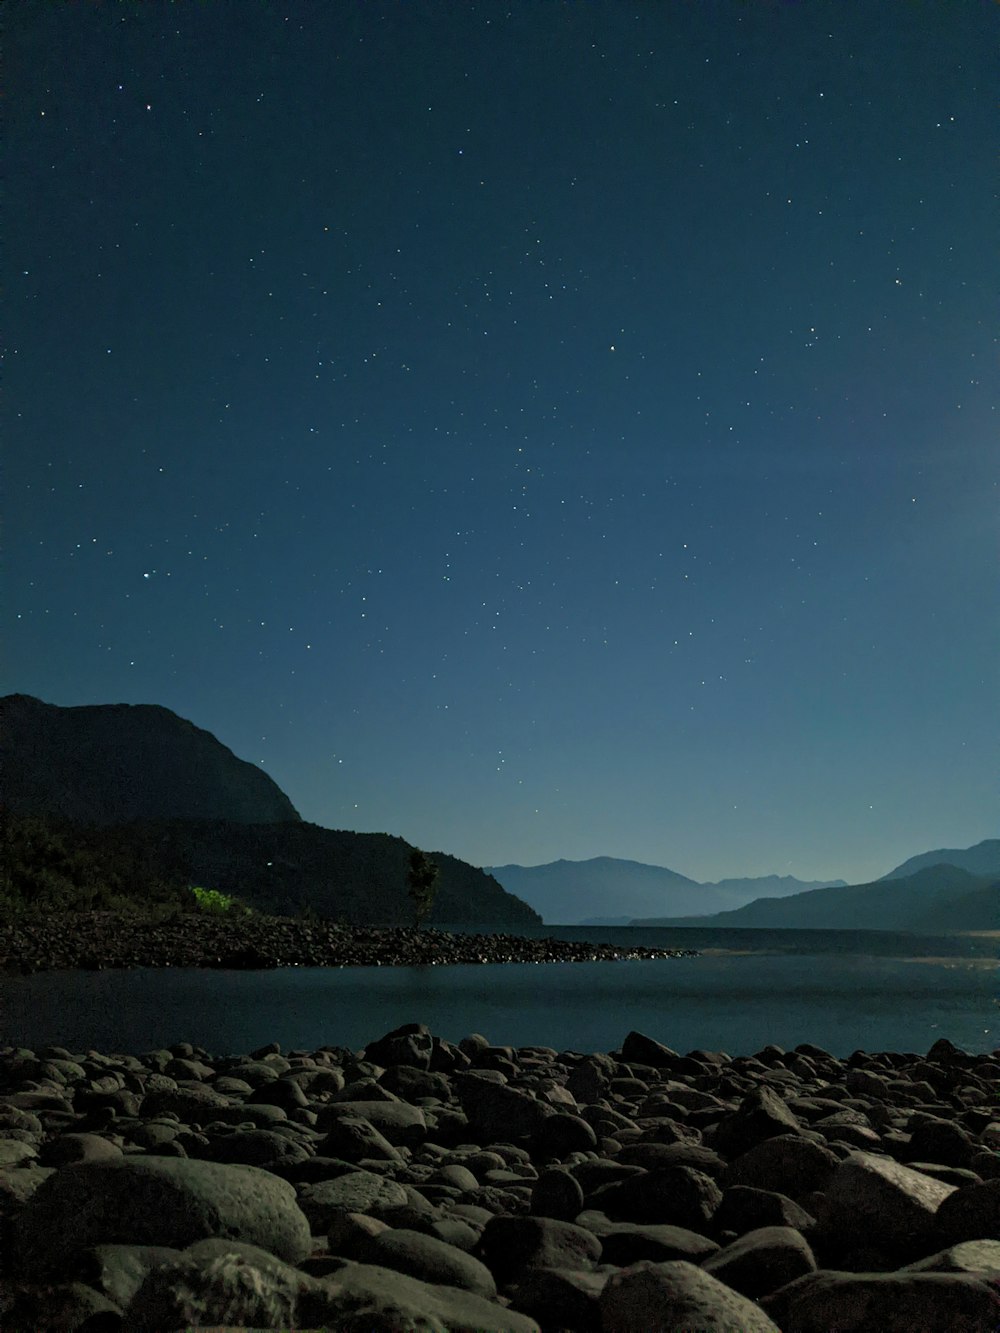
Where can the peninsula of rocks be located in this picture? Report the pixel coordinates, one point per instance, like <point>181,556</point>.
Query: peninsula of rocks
<point>419,1184</point>
<point>44,941</point>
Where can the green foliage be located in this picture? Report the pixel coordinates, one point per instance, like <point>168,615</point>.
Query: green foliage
<point>421,880</point>
<point>218,904</point>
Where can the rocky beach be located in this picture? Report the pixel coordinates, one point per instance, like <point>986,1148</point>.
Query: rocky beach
<point>420,1184</point>
<point>43,941</point>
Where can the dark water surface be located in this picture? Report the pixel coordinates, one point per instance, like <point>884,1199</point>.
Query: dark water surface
<point>844,991</point>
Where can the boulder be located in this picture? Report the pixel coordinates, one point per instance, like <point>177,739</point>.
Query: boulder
<point>556,1193</point>
<point>637,1048</point>
<point>664,1298</point>
<point>678,1195</point>
<point>398,1122</point>
<point>429,1259</point>
<point>970,1213</point>
<point>968,1256</point>
<point>366,1298</point>
<point>892,1207</point>
<point>762,1261</point>
<point>142,1200</point>
<point>498,1113</point>
<point>889,1302</point>
<point>761,1115</point>
<point>354,1192</point>
<point>219,1283</point>
<point>788,1163</point>
<point>511,1245</point>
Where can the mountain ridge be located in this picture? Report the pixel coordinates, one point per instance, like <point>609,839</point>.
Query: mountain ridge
<point>128,800</point>
<point>112,763</point>
<point>608,890</point>
<point>935,899</point>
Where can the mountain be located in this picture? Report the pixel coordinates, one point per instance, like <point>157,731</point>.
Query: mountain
<point>131,803</point>
<point>111,763</point>
<point>588,892</point>
<point>936,898</point>
<point>982,859</point>
<point>283,868</point>
<point>773,886</point>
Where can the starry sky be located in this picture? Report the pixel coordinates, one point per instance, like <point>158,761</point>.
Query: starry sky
<point>537,429</point>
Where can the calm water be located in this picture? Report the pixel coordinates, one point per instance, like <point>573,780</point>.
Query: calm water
<point>841,990</point>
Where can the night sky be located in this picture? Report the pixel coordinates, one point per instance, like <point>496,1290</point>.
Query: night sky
<point>537,430</point>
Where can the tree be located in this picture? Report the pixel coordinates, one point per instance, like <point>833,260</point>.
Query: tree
<point>422,878</point>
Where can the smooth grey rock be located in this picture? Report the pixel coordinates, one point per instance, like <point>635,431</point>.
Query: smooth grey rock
<point>557,1193</point>
<point>64,1306</point>
<point>666,1298</point>
<point>968,1256</point>
<point>889,1205</point>
<point>762,1261</point>
<point>762,1114</point>
<point>498,1113</point>
<point>888,1302</point>
<point>970,1213</point>
<point>625,1243</point>
<point>561,1298</point>
<point>144,1200</point>
<point>354,1192</point>
<point>746,1209</point>
<point>678,1195</point>
<point>511,1245</point>
<point>194,1104</point>
<point>559,1135</point>
<point>398,1122</point>
<point>365,1298</point>
<point>410,1044</point>
<point>118,1271</point>
<point>429,1259</point>
<point>353,1137</point>
<point>639,1049</point>
<point>255,1147</point>
<point>789,1163</point>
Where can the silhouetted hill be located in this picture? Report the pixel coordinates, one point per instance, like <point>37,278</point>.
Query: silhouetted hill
<point>606,890</point>
<point>982,859</point>
<point>283,868</point>
<point>118,803</point>
<point>937,898</point>
<point>111,763</point>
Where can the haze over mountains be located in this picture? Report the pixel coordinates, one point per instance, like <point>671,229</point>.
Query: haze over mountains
<point>608,891</point>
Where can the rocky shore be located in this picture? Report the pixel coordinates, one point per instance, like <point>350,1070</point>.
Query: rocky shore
<point>417,1184</point>
<point>116,939</point>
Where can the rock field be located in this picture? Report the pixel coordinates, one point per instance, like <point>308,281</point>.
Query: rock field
<point>97,940</point>
<point>423,1185</point>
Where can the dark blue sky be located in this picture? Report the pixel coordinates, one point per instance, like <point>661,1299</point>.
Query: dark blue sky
<point>539,430</point>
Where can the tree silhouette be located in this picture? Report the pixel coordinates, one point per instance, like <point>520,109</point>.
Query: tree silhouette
<point>421,878</point>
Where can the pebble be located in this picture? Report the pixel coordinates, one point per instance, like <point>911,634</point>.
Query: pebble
<point>417,1183</point>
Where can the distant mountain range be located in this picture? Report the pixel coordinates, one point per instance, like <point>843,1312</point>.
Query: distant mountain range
<point>948,889</point>
<point>936,898</point>
<point>117,801</point>
<point>609,891</point>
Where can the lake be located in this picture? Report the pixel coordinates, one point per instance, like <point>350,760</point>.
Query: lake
<point>842,990</point>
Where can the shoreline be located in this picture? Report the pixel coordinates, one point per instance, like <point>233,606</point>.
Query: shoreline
<point>114,940</point>
<point>519,1190</point>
